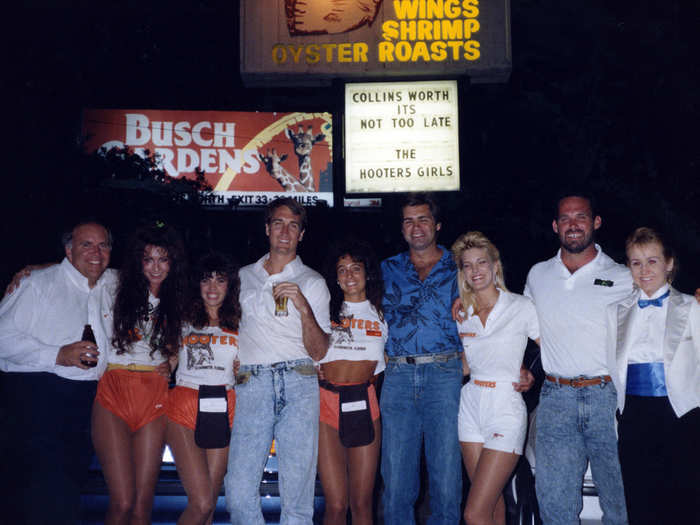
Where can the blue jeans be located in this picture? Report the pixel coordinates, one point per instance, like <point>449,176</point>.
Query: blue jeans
<point>421,402</point>
<point>574,426</point>
<point>279,401</point>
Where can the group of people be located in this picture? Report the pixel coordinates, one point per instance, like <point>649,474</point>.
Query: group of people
<point>279,351</point>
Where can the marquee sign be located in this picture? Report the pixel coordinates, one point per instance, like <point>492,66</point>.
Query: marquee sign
<point>307,41</point>
<point>401,137</point>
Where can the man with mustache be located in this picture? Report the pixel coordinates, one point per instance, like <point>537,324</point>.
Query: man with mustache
<point>576,414</point>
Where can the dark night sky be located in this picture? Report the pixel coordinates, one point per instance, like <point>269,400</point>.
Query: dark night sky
<point>603,95</point>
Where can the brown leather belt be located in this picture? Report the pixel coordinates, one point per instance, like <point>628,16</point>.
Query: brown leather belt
<point>578,382</point>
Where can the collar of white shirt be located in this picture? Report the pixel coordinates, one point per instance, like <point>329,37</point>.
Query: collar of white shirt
<point>77,278</point>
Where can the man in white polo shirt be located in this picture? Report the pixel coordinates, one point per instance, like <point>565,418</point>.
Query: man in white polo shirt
<point>49,377</point>
<point>277,389</point>
<point>576,413</point>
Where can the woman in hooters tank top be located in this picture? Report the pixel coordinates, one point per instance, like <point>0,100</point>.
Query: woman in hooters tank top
<point>354,358</point>
<point>209,349</point>
<point>128,418</point>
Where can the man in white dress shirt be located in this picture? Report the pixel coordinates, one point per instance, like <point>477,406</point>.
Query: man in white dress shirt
<point>49,378</point>
<point>576,413</point>
<point>277,389</point>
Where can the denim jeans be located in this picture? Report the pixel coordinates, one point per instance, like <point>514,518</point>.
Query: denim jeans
<point>279,401</point>
<point>574,426</point>
<point>421,402</point>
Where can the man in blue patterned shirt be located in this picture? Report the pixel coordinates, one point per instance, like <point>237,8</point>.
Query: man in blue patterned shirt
<point>423,376</point>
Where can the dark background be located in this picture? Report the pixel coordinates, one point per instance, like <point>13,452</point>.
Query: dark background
<point>603,95</point>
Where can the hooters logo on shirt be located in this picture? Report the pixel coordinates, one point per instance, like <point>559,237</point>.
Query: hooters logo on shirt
<point>359,324</point>
<point>467,334</point>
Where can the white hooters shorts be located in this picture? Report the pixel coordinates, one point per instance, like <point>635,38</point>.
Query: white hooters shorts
<point>496,417</point>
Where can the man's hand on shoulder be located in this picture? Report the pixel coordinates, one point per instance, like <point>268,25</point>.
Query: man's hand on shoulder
<point>697,295</point>
<point>75,353</point>
<point>24,272</point>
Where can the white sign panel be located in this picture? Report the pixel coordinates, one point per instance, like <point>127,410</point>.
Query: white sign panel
<point>401,137</point>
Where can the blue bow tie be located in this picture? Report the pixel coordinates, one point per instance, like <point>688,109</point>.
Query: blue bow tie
<point>659,301</point>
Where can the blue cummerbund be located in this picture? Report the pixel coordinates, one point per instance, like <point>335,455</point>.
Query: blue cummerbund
<point>646,379</point>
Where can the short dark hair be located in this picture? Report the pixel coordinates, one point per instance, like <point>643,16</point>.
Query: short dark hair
<point>575,193</point>
<point>420,199</point>
<point>67,236</point>
<point>293,205</point>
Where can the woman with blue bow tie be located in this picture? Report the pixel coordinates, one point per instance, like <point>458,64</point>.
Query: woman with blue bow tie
<point>654,359</point>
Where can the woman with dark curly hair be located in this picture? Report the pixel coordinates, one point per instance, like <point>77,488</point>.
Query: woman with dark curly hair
<point>350,430</point>
<point>128,417</point>
<point>199,439</point>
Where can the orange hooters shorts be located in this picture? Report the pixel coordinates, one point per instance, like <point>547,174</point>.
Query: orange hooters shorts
<point>330,405</point>
<point>136,397</point>
<point>182,406</point>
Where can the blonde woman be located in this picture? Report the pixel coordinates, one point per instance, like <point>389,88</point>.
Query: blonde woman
<point>653,354</point>
<point>494,329</point>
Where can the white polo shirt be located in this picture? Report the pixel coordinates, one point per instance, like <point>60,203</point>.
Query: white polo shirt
<point>571,310</point>
<point>265,338</point>
<point>495,352</point>
<point>49,310</point>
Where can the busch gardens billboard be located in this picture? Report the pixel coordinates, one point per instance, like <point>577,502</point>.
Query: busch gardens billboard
<point>307,41</point>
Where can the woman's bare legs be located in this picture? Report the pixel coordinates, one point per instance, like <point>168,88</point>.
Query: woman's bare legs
<point>332,470</point>
<point>111,437</point>
<point>148,444</point>
<point>130,463</point>
<point>488,472</point>
<point>201,472</point>
<point>362,471</point>
<point>217,460</point>
<point>347,474</point>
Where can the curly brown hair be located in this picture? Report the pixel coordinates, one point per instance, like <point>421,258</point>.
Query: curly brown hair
<point>131,303</point>
<point>214,263</point>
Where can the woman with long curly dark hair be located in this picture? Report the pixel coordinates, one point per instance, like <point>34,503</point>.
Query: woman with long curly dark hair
<point>199,441</point>
<point>128,417</point>
<point>349,441</point>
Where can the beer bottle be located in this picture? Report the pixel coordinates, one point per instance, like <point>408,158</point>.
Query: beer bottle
<point>88,335</point>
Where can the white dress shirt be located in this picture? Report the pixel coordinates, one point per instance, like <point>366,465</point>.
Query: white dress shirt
<point>265,338</point>
<point>571,311</point>
<point>49,310</point>
<point>495,352</point>
<point>680,347</point>
<point>647,330</point>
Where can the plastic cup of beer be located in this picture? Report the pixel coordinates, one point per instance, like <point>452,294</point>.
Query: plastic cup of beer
<point>280,304</point>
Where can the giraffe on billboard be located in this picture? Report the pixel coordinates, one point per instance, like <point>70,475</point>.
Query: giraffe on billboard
<point>272,162</point>
<point>303,142</point>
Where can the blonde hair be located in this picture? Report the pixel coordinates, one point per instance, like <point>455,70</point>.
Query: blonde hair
<point>642,236</point>
<point>466,242</point>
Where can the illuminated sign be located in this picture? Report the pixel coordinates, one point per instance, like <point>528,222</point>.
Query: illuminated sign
<point>250,157</point>
<point>311,40</point>
<point>401,136</point>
